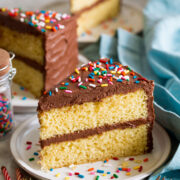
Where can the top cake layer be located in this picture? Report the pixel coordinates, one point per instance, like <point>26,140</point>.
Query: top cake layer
<point>93,82</point>
<point>37,22</point>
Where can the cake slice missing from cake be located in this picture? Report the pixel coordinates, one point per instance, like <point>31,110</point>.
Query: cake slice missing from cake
<point>101,111</point>
<point>93,12</point>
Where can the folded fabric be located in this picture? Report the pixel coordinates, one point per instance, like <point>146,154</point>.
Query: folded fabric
<point>157,57</point>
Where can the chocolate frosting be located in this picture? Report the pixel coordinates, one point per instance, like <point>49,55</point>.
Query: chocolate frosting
<point>98,130</point>
<point>16,25</point>
<point>61,53</point>
<point>79,96</point>
<point>60,47</point>
<point>28,22</point>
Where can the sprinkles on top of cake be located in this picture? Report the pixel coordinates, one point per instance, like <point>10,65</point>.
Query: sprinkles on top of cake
<point>41,19</point>
<point>100,73</point>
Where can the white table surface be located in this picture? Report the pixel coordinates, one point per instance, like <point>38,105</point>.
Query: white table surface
<point>6,158</point>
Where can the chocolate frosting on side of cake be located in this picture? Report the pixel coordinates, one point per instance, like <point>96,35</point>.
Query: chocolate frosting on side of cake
<point>98,130</point>
<point>61,53</point>
<point>150,138</point>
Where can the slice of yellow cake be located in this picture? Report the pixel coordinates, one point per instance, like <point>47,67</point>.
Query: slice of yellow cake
<point>92,12</point>
<point>45,45</point>
<point>103,110</point>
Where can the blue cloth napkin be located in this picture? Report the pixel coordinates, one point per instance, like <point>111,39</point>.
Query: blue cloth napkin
<point>157,57</point>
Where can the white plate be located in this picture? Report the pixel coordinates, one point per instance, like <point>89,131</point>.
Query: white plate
<point>24,101</point>
<point>28,131</point>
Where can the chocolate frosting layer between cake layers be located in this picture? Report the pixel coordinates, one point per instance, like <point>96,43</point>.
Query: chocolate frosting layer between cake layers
<point>30,62</point>
<point>99,130</point>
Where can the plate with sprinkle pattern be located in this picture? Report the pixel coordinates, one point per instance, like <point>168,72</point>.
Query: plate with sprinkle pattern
<point>137,167</point>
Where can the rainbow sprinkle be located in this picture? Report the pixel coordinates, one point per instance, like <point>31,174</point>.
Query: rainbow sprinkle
<point>137,82</point>
<point>97,177</point>
<point>146,160</point>
<point>63,88</point>
<point>128,174</point>
<point>28,147</point>
<point>84,87</point>
<point>91,170</point>
<point>58,174</point>
<point>31,159</point>
<point>36,153</point>
<point>68,91</point>
<point>80,176</point>
<point>102,73</point>
<point>100,171</point>
<point>70,174</point>
<point>115,175</point>
<point>50,93</point>
<point>29,142</point>
<point>5,115</point>
<point>42,20</point>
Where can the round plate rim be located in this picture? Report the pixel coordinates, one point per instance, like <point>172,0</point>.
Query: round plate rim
<point>33,172</point>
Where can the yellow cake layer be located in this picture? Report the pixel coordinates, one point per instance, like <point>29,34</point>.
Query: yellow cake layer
<point>114,143</point>
<point>114,109</point>
<point>28,77</point>
<point>22,44</point>
<point>77,5</point>
<point>103,11</point>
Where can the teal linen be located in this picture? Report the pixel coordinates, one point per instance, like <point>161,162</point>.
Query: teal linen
<point>156,56</point>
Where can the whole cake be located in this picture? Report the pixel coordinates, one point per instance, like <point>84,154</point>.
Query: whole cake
<point>45,44</point>
<point>92,12</point>
<point>103,110</point>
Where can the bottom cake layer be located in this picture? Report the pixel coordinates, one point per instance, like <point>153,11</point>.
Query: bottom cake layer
<point>114,143</point>
<point>28,77</point>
